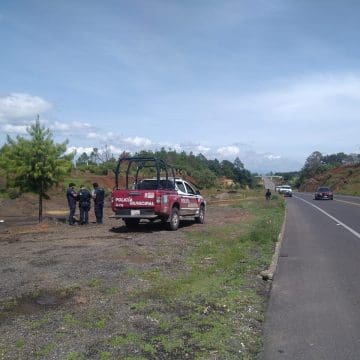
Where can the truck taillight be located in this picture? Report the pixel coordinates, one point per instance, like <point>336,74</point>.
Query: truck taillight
<point>163,199</point>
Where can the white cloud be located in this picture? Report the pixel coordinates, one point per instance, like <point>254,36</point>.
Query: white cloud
<point>272,157</point>
<point>169,145</point>
<point>94,135</point>
<point>81,125</point>
<point>14,129</point>
<point>18,107</point>
<point>138,141</point>
<point>312,99</point>
<point>79,150</point>
<point>115,150</point>
<point>60,126</point>
<point>75,128</point>
<point>202,149</point>
<point>108,136</point>
<point>226,151</point>
<point>266,162</point>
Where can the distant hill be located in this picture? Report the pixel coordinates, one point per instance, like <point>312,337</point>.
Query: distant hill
<point>343,179</point>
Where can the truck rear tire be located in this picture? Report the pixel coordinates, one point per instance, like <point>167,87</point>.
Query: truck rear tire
<point>174,219</point>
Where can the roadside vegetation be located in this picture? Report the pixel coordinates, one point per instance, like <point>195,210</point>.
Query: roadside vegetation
<point>191,294</point>
<point>215,309</point>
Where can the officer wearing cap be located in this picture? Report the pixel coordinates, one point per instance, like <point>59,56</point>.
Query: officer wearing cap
<point>98,195</point>
<point>71,198</point>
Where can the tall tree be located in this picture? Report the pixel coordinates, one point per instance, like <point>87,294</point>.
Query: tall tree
<point>83,159</point>
<point>238,164</point>
<point>227,168</point>
<point>312,164</point>
<point>37,163</point>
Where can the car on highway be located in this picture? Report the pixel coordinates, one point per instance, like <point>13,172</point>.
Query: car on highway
<point>285,190</point>
<point>323,193</point>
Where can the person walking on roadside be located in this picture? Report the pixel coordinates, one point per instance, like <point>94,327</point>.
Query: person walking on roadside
<point>98,195</point>
<point>84,198</point>
<point>71,196</point>
<point>268,194</point>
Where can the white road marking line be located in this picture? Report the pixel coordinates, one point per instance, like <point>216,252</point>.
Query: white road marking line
<point>331,217</point>
<point>347,202</point>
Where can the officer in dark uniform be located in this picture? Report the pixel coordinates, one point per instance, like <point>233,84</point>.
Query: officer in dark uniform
<point>98,195</point>
<point>84,198</point>
<point>71,198</point>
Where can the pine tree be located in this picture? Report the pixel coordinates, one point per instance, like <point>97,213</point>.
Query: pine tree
<point>36,164</point>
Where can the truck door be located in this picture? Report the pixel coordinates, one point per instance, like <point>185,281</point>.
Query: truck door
<point>189,201</point>
<point>194,198</point>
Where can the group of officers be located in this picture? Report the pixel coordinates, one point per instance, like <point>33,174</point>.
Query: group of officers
<point>83,197</point>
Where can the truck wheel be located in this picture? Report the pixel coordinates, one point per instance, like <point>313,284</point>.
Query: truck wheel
<point>201,217</point>
<point>131,223</point>
<point>173,224</point>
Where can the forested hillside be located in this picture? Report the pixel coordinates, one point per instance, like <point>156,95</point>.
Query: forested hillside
<point>203,172</point>
<point>339,171</point>
<point>198,169</point>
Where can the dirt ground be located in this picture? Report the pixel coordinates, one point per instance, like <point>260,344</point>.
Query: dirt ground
<point>54,275</point>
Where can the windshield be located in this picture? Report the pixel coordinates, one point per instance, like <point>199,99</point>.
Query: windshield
<point>323,189</point>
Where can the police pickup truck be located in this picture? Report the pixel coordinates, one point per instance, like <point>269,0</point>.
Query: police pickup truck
<point>150,191</point>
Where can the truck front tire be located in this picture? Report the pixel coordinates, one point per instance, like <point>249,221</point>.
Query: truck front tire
<point>201,217</point>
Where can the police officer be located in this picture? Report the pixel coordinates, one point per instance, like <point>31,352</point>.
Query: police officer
<point>71,198</point>
<point>98,195</point>
<point>84,198</point>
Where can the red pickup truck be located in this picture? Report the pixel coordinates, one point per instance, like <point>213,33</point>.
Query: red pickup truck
<point>152,192</point>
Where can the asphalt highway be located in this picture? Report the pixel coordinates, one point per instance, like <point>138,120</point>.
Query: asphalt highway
<point>314,305</point>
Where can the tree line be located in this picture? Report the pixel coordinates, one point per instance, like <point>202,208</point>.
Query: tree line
<point>205,173</point>
<point>37,163</point>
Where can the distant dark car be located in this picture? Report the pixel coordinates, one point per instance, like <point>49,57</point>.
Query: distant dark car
<point>322,193</point>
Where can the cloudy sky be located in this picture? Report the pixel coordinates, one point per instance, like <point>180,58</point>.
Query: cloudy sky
<point>266,81</point>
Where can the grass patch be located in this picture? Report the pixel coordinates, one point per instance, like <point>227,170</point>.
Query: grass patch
<point>45,351</point>
<point>3,351</point>
<point>215,310</point>
<point>133,340</point>
<point>19,344</point>
<point>112,290</point>
<point>70,320</point>
<point>75,355</point>
<point>94,283</point>
<point>90,320</point>
<point>38,324</point>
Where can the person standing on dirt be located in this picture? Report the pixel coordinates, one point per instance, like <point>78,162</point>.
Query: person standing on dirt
<point>71,198</point>
<point>84,198</point>
<point>98,195</point>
